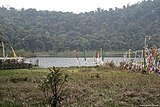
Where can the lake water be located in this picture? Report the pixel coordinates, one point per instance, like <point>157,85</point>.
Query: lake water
<point>45,62</point>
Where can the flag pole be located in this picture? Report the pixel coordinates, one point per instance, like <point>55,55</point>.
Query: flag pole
<point>85,59</point>
<point>129,54</point>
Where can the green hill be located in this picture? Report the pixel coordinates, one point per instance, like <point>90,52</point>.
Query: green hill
<point>114,30</point>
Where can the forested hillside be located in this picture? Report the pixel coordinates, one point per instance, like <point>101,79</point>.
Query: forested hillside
<point>114,29</point>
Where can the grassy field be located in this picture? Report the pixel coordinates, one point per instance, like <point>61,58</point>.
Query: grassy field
<point>86,87</point>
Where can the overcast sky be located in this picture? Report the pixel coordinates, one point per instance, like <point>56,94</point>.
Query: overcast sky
<point>75,6</point>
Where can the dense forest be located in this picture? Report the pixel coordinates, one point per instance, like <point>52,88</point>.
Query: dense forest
<point>115,29</point>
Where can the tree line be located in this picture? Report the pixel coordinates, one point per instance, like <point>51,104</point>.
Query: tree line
<point>113,30</point>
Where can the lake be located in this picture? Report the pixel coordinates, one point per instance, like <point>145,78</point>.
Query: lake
<point>45,62</point>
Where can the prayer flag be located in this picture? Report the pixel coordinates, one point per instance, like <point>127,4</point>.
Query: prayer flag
<point>85,55</point>
<point>144,56</point>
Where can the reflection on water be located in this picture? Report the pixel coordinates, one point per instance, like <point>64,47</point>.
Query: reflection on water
<point>45,62</point>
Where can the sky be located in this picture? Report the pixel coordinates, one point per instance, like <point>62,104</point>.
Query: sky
<point>75,6</point>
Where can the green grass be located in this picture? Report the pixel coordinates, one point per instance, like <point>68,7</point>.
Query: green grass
<point>87,87</point>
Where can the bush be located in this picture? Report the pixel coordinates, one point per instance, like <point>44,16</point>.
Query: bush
<point>52,87</point>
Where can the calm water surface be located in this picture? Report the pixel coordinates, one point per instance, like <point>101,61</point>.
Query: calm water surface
<point>45,62</point>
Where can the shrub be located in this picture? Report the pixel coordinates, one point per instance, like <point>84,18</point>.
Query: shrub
<point>52,87</point>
